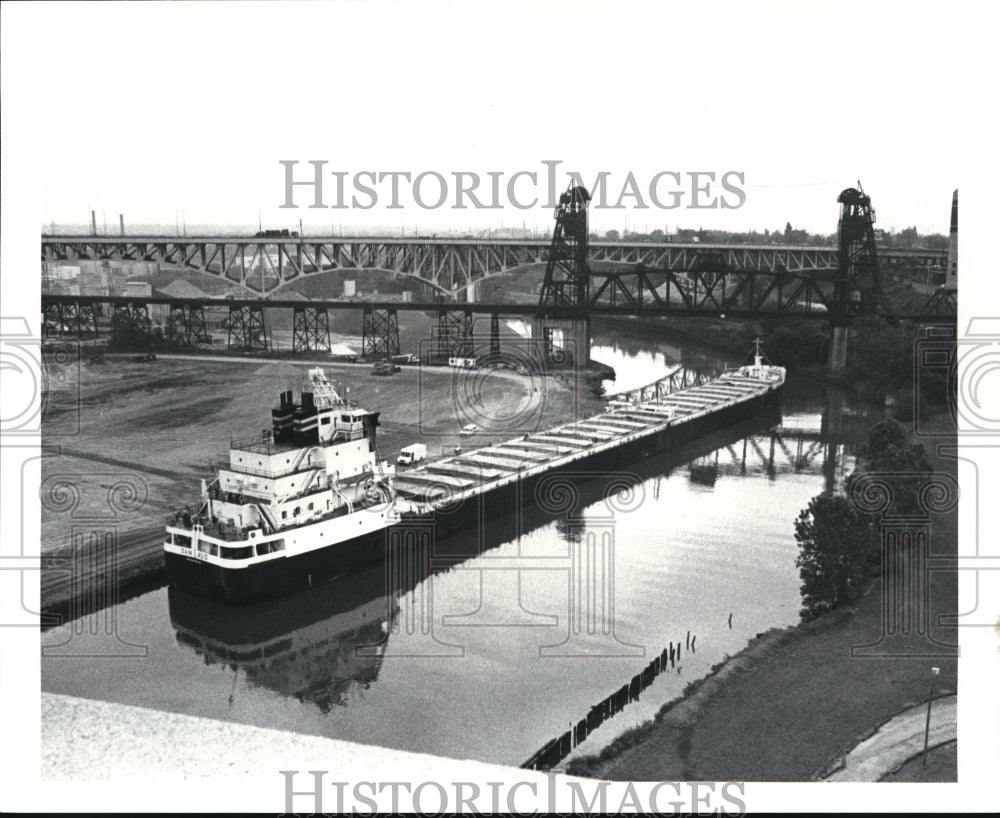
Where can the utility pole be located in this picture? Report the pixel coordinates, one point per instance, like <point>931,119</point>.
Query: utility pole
<point>927,725</point>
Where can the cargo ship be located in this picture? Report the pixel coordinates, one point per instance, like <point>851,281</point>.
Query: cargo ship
<point>310,499</point>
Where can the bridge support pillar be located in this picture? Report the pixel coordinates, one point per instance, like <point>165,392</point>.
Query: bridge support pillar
<point>495,335</point>
<point>838,347</point>
<point>563,341</point>
<point>187,324</point>
<point>454,334</point>
<point>130,324</point>
<point>310,330</point>
<point>77,319</point>
<point>380,334</point>
<point>246,329</point>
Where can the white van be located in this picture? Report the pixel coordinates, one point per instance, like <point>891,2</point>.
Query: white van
<point>409,455</point>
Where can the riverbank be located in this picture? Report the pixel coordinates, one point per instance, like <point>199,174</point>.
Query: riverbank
<point>131,441</point>
<point>795,700</point>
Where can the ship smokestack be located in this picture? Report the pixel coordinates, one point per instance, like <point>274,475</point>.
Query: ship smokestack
<point>282,418</point>
<point>306,421</point>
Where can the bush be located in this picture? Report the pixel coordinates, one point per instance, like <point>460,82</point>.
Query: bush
<point>838,550</point>
<point>902,466</point>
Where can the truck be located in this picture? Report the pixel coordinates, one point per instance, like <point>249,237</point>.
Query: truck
<point>414,453</point>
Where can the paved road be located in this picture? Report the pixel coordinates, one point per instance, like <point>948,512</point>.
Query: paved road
<point>898,740</point>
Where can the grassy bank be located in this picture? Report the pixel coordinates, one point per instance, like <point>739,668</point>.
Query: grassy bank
<point>787,706</point>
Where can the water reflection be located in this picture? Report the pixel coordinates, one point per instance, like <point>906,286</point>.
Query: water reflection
<point>319,645</point>
<point>636,365</point>
<point>302,647</point>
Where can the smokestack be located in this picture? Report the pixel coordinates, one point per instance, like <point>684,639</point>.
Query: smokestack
<point>951,276</point>
<point>121,222</point>
<point>93,222</point>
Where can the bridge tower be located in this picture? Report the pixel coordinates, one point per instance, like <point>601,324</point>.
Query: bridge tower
<point>857,288</point>
<point>565,297</point>
<point>311,329</point>
<point>944,300</point>
<point>186,324</point>
<point>130,324</point>
<point>380,333</point>
<point>454,335</point>
<point>246,328</point>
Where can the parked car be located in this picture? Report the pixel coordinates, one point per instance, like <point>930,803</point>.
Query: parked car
<point>471,429</point>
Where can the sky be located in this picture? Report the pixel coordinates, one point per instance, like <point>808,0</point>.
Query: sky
<point>182,112</point>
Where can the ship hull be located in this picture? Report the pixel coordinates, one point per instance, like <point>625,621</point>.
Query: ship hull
<point>306,570</point>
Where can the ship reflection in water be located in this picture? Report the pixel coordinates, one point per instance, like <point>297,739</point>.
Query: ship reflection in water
<point>319,646</point>
<point>303,647</point>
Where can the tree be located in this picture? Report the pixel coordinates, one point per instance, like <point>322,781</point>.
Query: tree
<point>882,437</point>
<point>884,355</point>
<point>795,345</point>
<point>612,235</point>
<point>908,238</point>
<point>837,552</point>
<point>903,468</point>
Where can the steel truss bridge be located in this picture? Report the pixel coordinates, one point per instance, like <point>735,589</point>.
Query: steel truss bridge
<point>266,265</point>
<point>691,294</point>
<point>581,279</point>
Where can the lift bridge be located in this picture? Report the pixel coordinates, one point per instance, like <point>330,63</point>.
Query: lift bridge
<point>849,288</point>
<point>833,285</point>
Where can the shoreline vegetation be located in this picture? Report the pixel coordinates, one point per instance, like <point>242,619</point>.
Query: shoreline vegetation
<point>795,700</point>
<point>880,364</point>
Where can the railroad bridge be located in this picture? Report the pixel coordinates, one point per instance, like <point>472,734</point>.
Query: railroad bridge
<point>447,265</point>
<point>581,279</point>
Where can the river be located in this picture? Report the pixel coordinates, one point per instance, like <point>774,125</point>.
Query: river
<point>486,656</point>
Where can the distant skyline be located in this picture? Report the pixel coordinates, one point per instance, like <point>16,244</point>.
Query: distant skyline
<point>766,208</point>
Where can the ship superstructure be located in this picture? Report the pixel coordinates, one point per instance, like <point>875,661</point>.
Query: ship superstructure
<point>310,479</point>
<point>309,498</point>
